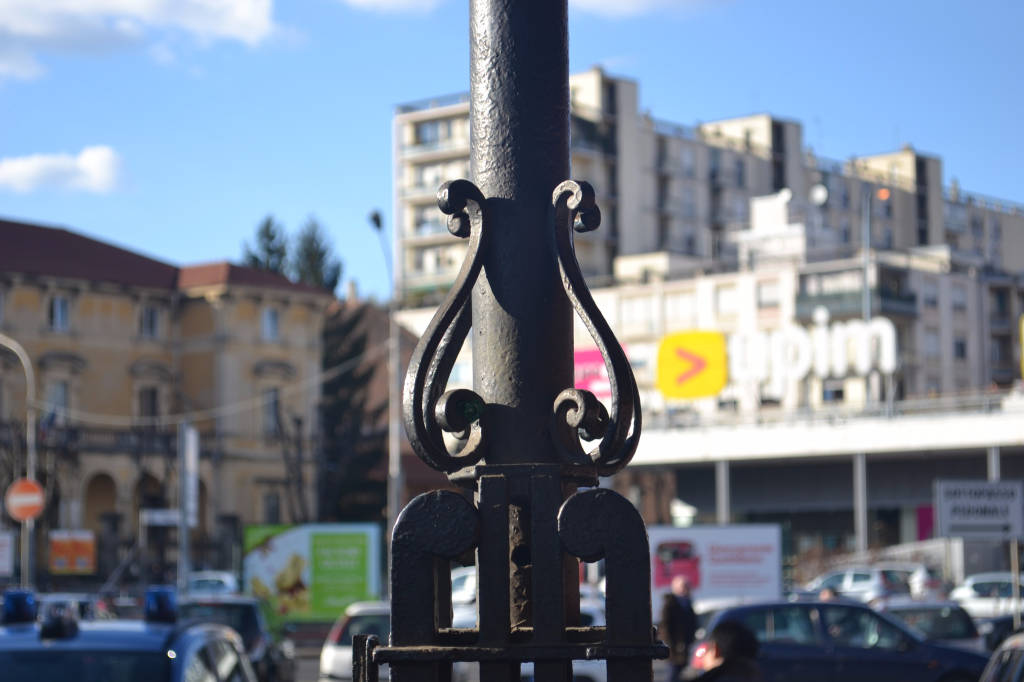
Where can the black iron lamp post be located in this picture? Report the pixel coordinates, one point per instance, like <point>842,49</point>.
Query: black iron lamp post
<point>535,512</point>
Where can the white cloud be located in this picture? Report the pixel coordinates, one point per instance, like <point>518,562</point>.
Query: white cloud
<point>95,169</point>
<point>32,27</point>
<point>394,5</point>
<point>626,8</point>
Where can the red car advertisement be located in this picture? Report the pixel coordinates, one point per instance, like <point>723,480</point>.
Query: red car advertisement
<point>676,558</point>
<point>728,564</point>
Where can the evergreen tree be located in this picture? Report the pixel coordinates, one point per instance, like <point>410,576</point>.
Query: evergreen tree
<point>352,446</point>
<point>271,249</point>
<point>312,261</point>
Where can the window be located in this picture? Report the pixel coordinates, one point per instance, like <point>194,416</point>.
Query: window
<point>689,164</point>
<point>680,307</point>
<point>930,294</point>
<point>58,401</point>
<point>427,221</point>
<point>60,314</point>
<point>768,295</point>
<point>149,402</point>
<point>960,348</point>
<point>271,508</point>
<point>832,391</point>
<point>149,322</point>
<point>792,625</point>
<point>637,311</point>
<point>271,412</point>
<point>959,296</point>
<point>725,300</point>
<point>861,629</point>
<point>741,172</point>
<point>432,133</point>
<point>269,327</point>
<point>931,343</point>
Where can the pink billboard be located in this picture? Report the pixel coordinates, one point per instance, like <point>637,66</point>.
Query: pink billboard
<point>591,374</point>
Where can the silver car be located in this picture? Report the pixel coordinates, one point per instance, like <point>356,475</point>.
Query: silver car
<point>862,583</point>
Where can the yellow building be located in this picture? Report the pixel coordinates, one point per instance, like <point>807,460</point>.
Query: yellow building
<point>122,347</point>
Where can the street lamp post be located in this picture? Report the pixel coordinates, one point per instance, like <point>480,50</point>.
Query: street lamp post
<point>30,443</point>
<point>395,477</point>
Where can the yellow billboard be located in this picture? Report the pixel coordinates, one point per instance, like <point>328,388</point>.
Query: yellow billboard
<point>692,364</point>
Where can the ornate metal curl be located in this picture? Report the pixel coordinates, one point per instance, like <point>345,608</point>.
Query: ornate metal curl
<point>581,411</point>
<point>425,410</point>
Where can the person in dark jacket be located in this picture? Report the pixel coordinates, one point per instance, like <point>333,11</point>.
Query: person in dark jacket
<point>731,654</point>
<point>678,626</point>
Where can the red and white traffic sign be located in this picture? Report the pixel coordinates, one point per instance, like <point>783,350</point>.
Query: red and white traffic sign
<point>24,499</point>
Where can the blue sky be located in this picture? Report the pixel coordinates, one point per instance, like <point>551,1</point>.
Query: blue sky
<point>173,126</point>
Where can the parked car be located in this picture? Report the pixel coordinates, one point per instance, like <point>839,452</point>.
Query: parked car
<point>943,622</point>
<point>844,642</point>
<point>212,582</point>
<point>273,658</point>
<point>1006,663</point>
<point>996,629</point>
<point>862,583</point>
<point>156,649</point>
<point>924,582</point>
<point>361,618</point>
<point>984,595</point>
<point>591,614</point>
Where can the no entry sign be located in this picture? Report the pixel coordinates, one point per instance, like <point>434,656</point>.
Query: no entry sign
<point>24,499</point>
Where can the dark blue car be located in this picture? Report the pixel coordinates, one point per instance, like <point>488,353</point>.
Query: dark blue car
<point>60,648</point>
<point>845,642</point>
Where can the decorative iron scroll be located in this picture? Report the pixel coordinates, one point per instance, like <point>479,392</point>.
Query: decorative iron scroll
<point>427,412</point>
<point>576,209</point>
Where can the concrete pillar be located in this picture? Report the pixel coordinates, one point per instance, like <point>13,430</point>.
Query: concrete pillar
<point>993,463</point>
<point>723,505</point>
<point>860,501</point>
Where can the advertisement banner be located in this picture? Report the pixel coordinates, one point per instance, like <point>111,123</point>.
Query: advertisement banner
<point>6,554</point>
<point>72,552</point>
<point>311,572</point>
<point>723,564</point>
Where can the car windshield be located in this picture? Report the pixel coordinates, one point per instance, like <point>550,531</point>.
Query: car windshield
<point>88,666</point>
<point>939,623</point>
<point>208,585</point>
<point>239,617</point>
<point>378,624</point>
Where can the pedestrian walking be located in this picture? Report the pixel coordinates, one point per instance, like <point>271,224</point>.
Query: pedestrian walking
<point>678,626</point>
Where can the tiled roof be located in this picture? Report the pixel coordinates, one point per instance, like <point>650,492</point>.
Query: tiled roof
<point>228,273</point>
<point>54,252</point>
<point>50,251</point>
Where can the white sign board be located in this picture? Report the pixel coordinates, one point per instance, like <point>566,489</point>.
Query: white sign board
<point>6,554</point>
<point>723,564</point>
<point>159,517</point>
<point>981,510</point>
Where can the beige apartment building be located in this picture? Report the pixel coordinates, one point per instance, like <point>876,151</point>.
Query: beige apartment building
<point>123,346</point>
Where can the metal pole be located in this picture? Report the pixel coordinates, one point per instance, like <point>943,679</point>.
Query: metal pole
<point>183,539</point>
<point>396,479</point>
<point>722,501</point>
<point>1015,569</point>
<point>519,123</point>
<point>992,457</point>
<point>27,527</point>
<point>860,502</point>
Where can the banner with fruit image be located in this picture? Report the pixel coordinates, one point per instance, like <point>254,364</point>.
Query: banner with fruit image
<point>311,572</point>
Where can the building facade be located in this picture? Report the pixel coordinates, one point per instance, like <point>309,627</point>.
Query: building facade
<point>733,228</point>
<point>124,347</point>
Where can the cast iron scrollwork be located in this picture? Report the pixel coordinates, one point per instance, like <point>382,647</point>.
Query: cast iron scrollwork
<point>427,412</point>
<point>619,430</point>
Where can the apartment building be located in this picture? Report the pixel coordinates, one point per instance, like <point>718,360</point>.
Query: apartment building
<point>676,203</point>
<point>122,345</point>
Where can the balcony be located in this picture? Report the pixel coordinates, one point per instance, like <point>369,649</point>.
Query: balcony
<point>848,304</point>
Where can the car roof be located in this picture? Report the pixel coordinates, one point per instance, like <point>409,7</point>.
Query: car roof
<point>213,598</point>
<point>991,575</point>
<point>111,635</point>
<point>917,605</point>
<point>360,608</point>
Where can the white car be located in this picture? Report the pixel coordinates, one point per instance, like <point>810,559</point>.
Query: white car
<point>984,595</point>
<point>863,583</point>
<point>591,614</point>
<point>212,582</point>
<point>361,618</point>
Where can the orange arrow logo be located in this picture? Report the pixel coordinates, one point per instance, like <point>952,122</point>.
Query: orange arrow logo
<point>691,364</point>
